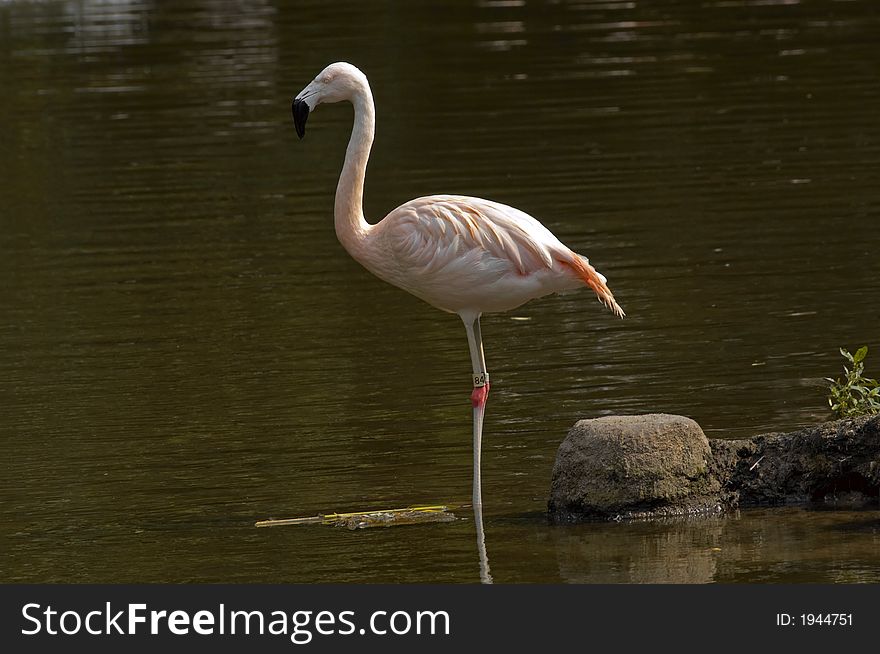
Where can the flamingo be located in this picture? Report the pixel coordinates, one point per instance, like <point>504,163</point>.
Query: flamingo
<point>460,254</point>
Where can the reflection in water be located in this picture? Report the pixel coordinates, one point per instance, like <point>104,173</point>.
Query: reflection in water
<point>482,554</point>
<point>672,551</point>
<point>477,491</point>
<point>775,545</point>
<point>100,26</point>
<point>185,348</point>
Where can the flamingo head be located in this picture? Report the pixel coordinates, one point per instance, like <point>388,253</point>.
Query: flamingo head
<point>337,82</point>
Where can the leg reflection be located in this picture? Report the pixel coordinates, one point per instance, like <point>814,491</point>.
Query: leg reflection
<point>485,574</point>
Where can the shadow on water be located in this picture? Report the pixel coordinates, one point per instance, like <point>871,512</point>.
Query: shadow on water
<point>185,348</point>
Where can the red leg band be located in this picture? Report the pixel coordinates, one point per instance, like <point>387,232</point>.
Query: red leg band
<point>479,395</point>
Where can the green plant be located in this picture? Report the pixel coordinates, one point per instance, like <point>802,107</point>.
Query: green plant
<point>855,395</point>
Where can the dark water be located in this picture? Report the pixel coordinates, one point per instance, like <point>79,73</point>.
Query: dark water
<point>185,348</point>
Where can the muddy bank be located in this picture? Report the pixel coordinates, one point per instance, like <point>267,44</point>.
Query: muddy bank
<point>625,467</point>
<point>834,462</point>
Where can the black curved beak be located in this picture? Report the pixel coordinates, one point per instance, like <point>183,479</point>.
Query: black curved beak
<point>300,111</point>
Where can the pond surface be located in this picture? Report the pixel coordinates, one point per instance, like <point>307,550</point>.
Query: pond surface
<point>185,348</point>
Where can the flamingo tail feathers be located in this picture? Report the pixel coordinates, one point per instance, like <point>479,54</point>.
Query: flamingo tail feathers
<point>596,281</point>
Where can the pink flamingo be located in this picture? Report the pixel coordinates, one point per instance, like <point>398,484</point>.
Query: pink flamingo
<point>460,254</point>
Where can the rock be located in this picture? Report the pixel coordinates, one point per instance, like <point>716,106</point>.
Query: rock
<point>832,463</point>
<point>634,466</point>
<point>660,465</point>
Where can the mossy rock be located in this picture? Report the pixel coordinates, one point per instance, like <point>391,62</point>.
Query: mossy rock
<point>633,466</point>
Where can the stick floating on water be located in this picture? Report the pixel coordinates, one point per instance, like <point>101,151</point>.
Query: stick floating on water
<point>377,518</point>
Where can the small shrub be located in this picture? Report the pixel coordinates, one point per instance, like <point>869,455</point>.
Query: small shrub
<point>855,395</point>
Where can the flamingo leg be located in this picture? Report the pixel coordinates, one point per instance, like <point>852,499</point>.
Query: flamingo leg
<point>479,396</point>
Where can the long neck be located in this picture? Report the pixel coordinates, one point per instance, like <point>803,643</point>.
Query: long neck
<point>351,227</point>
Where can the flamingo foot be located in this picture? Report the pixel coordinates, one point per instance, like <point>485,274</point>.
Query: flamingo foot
<point>479,396</point>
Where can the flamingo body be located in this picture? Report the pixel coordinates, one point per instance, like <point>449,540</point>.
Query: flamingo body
<point>467,254</point>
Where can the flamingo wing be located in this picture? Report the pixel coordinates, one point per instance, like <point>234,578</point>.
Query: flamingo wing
<point>433,232</point>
